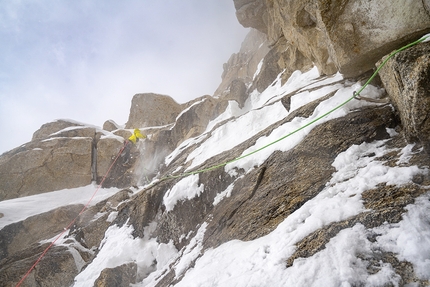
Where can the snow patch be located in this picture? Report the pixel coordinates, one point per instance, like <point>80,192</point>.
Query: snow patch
<point>296,125</point>
<point>18,209</point>
<point>119,247</point>
<point>226,193</point>
<point>235,132</point>
<point>410,238</point>
<point>191,252</point>
<point>186,188</point>
<point>262,262</point>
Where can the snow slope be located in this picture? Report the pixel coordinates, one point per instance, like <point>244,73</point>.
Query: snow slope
<point>262,262</point>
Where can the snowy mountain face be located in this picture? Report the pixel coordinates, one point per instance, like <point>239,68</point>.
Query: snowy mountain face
<point>296,184</point>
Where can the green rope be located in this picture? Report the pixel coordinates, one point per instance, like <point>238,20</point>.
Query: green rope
<point>302,127</point>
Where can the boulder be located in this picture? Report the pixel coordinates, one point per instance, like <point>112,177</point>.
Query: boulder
<point>46,165</point>
<point>121,276</point>
<point>150,109</point>
<point>406,77</point>
<point>110,126</point>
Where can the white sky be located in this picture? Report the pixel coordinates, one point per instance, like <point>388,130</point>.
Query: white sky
<point>84,60</point>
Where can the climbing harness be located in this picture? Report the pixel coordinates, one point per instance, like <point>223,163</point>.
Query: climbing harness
<point>356,95</point>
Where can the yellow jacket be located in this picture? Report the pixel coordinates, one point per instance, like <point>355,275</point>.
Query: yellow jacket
<point>136,136</point>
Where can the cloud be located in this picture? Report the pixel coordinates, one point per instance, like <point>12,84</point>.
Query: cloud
<point>85,60</point>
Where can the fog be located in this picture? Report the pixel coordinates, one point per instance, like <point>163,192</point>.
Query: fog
<point>85,60</point>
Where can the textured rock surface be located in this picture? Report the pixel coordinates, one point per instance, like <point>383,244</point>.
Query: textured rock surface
<point>238,92</point>
<point>121,276</point>
<point>348,36</point>
<point>361,32</point>
<point>91,225</point>
<point>47,165</point>
<point>20,244</point>
<point>107,149</point>
<point>406,77</point>
<point>110,126</point>
<point>57,267</point>
<point>237,220</point>
<point>251,13</point>
<point>190,123</point>
<point>193,120</point>
<point>282,58</point>
<point>327,33</point>
<point>148,110</point>
<point>244,64</point>
<point>49,128</point>
<point>18,236</point>
<point>63,154</point>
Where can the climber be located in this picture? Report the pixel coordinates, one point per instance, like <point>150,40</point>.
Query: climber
<point>133,139</point>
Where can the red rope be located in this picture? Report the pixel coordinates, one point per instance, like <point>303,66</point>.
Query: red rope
<point>73,221</point>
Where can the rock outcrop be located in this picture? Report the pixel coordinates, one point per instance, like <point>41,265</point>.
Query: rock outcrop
<point>22,243</point>
<point>48,129</point>
<point>406,77</point>
<point>243,65</point>
<point>63,154</point>
<point>46,165</point>
<point>191,122</point>
<point>251,13</point>
<point>121,276</point>
<point>150,110</point>
<point>218,171</point>
<point>17,236</point>
<point>110,126</point>
<point>345,36</point>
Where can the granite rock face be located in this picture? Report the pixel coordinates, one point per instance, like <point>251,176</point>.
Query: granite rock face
<point>406,77</point>
<point>110,126</point>
<point>17,236</point>
<point>22,243</point>
<point>48,129</point>
<point>345,36</point>
<point>46,165</point>
<point>242,66</point>
<point>149,110</point>
<point>242,204</point>
<point>121,276</point>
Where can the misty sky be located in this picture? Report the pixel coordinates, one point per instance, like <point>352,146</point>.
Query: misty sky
<point>85,59</point>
